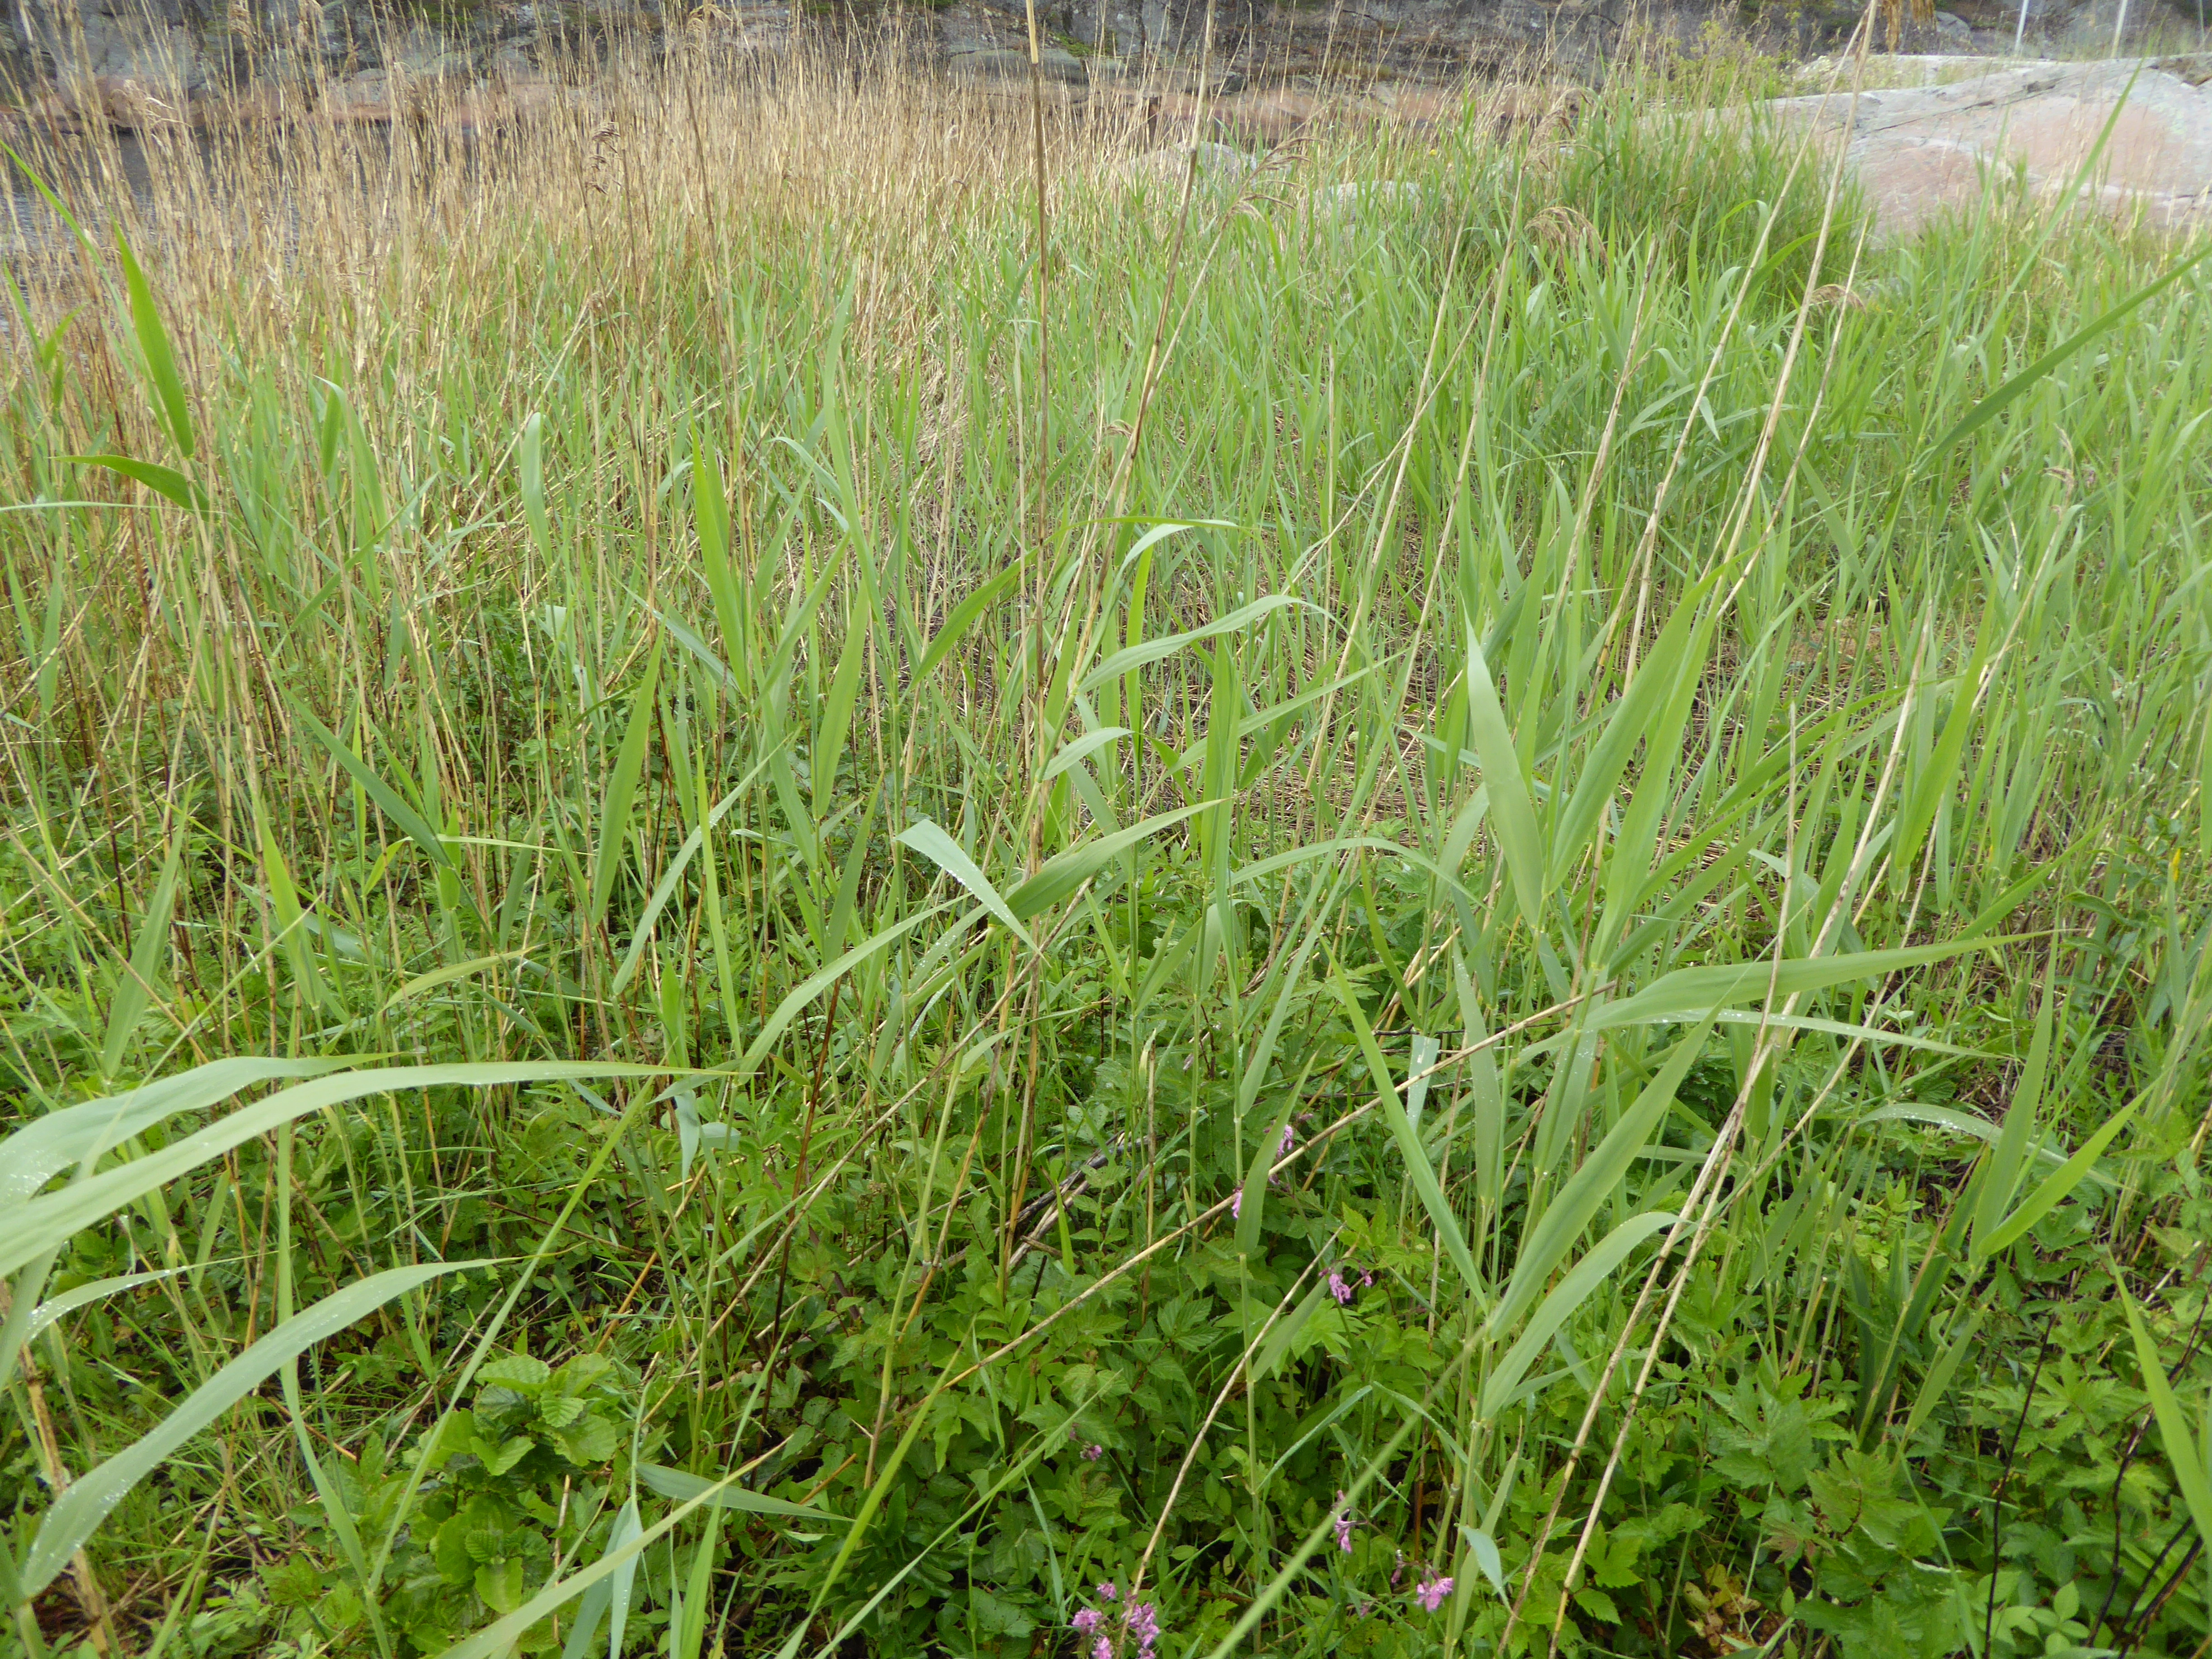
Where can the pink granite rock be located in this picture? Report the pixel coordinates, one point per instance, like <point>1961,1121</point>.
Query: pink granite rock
<point>1923,152</point>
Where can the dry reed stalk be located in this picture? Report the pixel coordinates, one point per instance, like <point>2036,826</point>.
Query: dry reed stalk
<point>347,229</point>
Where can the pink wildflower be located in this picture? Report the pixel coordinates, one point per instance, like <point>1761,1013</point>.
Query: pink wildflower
<point>1107,1592</point>
<point>1289,1141</point>
<point>1343,1524</point>
<point>1092,1453</point>
<point>1143,1620</point>
<point>1365,1280</point>
<point>1398,1570</point>
<point>1236,1203</point>
<point>1338,1289</point>
<point>1103,1651</point>
<point>1086,1621</point>
<point>1431,1593</point>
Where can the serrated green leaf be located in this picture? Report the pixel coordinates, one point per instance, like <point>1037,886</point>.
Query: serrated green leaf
<point>593,1440</point>
<point>525,1373</point>
<point>499,1458</point>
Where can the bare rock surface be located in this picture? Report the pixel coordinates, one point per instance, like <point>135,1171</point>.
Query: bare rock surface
<point>1344,205</point>
<point>1217,166</point>
<point>1892,70</point>
<point>1923,152</point>
<point>134,62</point>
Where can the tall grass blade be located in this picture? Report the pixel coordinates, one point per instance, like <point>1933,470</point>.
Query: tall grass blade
<point>1556,1309</point>
<point>410,823</point>
<point>1059,876</point>
<point>1410,1150</point>
<point>622,788</point>
<point>623,1550</point>
<point>820,980</point>
<point>1997,402</point>
<point>42,1149</point>
<point>929,838</point>
<point>171,405</point>
<point>1593,1185</point>
<point>683,1488</point>
<point>1689,991</point>
<point>78,1512</point>
<point>2183,1453</point>
<point>149,951</point>
<point>51,1221</point>
<point>2055,1188</point>
<point>2007,1157</point>
<point>164,481</point>
<point>1512,814</point>
<point>1150,651</point>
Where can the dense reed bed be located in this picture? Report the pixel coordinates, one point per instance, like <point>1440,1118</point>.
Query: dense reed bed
<point>1466,917</point>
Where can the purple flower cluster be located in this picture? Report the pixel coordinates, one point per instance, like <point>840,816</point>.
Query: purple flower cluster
<point>1342,1288</point>
<point>1284,1148</point>
<point>1432,1590</point>
<point>1140,1626</point>
<point>1143,1623</point>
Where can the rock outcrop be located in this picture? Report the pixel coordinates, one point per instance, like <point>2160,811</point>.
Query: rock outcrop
<point>133,62</point>
<point>2136,136</point>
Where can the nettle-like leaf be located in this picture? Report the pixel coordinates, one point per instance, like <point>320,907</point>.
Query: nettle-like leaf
<point>452,1438</point>
<point>1771,1441</point>
<point>1613,1559</point>
<point>503,1543</point>
<point>996,1617</point>
<point>524,1373</point>
<point>293,1584</point>
<point>1597,1604</point>
<point>450,1549</point>
<point>498,1458</point>
<point>501,1583</point>
<point>586,1371</point>
<point>592,1440</point>
<point>1859,1504</point>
